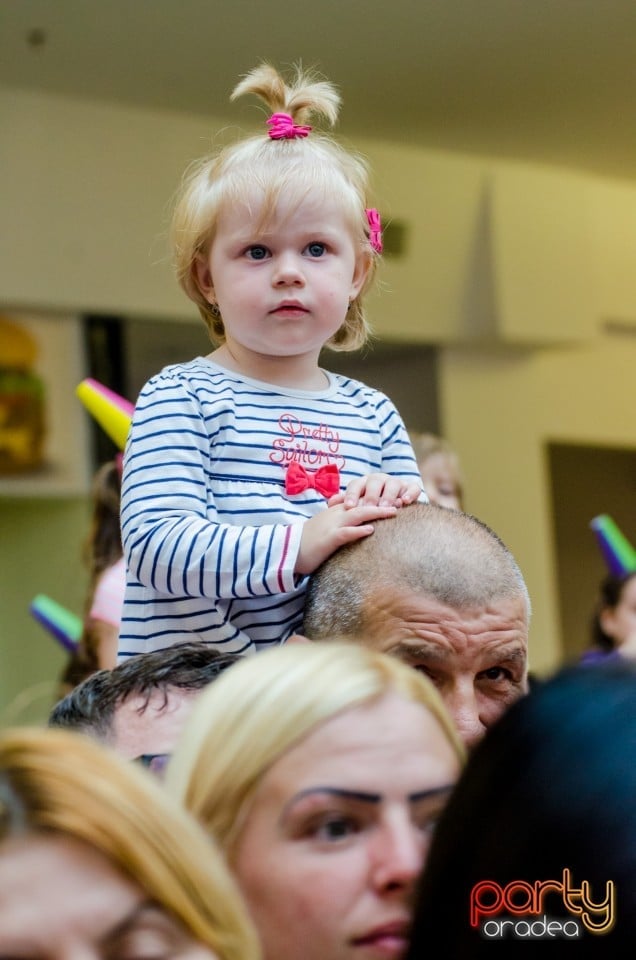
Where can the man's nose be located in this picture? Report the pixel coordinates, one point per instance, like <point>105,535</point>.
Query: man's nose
<point>463,706</point>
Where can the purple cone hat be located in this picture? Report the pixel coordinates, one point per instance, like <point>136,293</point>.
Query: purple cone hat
<point>60,622</point>
<point>618,553</point>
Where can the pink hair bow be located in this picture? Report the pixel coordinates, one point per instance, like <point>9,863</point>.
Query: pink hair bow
<point>282,127</point>
<point>375,228</point>
<point>326,480</point>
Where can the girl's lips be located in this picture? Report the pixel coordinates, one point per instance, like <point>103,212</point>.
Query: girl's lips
<point>289,306</point>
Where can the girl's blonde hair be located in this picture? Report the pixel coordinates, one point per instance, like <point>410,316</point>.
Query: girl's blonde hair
<point>265,168</point>
<point>56,781</point>
<point>263,706</point>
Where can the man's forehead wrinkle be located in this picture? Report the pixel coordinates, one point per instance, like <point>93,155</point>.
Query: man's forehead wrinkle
<point>409,606</point>
<point>430,651</point>
<point>443,647</point>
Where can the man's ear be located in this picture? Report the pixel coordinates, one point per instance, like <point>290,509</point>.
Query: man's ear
<point>203,277</point>
<point>298,638</point>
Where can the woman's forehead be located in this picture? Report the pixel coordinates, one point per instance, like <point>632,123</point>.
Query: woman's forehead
<point>367,736</point>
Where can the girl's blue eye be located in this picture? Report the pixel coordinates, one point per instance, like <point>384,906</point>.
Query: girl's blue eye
<point>257,252</point>
<point>316,249</point>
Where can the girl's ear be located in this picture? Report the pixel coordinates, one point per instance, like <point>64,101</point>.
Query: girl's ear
<point>203,277</point>
<point>360,273</point>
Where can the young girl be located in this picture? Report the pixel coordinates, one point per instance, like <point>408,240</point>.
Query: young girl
<point>247,468</point>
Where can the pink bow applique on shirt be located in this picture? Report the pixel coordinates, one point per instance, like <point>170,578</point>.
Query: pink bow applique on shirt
<point>326,480</point>
<point>282,127</point>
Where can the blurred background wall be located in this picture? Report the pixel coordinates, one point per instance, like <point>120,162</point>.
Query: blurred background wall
<point>506,320</point>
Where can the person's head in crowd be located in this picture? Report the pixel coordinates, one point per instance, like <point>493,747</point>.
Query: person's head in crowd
<point>321,770</point>
<point>550,789</point>
<point>614,620</point>
<point>438,589</point>
<point>439,468</point>
<point>102,553</point>
<point>140,706</point>
<point>96,861</point>
<point>102,547</point>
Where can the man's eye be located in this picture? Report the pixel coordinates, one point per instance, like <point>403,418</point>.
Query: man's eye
<point>422,668</point>
<point>315,249</point>
<point>257,252</point>
<point>496,673</point>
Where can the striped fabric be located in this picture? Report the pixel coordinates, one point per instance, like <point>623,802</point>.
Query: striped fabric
<point>210,536</point>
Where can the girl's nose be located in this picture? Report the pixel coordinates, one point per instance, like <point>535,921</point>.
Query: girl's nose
<point>287,271</point>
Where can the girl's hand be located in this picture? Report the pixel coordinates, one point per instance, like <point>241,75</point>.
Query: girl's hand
<point>334,527</point>
<point>379,489</point>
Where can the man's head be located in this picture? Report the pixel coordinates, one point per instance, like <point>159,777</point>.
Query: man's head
<point>140,707</point>
<point>439,589</point>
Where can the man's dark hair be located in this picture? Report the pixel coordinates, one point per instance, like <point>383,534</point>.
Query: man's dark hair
<point>90,706</point>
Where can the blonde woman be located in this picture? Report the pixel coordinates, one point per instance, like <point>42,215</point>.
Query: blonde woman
<point>95,860</point>
<point>321,770</point>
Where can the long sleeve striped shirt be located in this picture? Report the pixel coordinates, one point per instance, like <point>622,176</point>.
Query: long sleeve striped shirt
<point>210,535</point>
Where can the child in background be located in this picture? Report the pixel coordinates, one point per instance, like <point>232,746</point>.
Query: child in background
<point>103,555</point>
<point>245,469</point>
<point>439,468</point>
<point>614,620</point>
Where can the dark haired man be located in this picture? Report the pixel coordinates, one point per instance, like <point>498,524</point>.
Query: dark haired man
<point>140,707</point>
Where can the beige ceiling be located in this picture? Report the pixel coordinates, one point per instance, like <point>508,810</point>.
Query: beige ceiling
<point>551,81</point>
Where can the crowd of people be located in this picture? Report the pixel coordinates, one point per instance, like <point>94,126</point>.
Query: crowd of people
<point>309,731</point>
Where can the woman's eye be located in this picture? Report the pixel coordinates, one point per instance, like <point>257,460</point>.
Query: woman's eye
<point>257,252</point>
<point>316,249</point>
<point>335,828</point>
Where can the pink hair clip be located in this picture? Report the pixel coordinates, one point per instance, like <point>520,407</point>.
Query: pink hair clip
<point>282,127</point>
<point>375,228</point>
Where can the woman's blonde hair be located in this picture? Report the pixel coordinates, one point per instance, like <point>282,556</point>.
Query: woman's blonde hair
<point>56,781</point>
<point>258,166</point>
<point>265,705</point>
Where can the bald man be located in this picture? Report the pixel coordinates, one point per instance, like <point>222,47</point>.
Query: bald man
<point>438,589</point>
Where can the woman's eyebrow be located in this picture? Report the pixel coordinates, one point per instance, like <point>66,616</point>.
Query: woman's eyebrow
<point>363,796</point>
<point>433,792</point>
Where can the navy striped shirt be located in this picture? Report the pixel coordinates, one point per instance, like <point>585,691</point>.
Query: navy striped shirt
<point>210,536</point>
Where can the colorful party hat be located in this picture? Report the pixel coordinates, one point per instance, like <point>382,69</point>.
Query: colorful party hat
<point>618,553</point>
<point>64,625</point>
<point>112,412</point>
